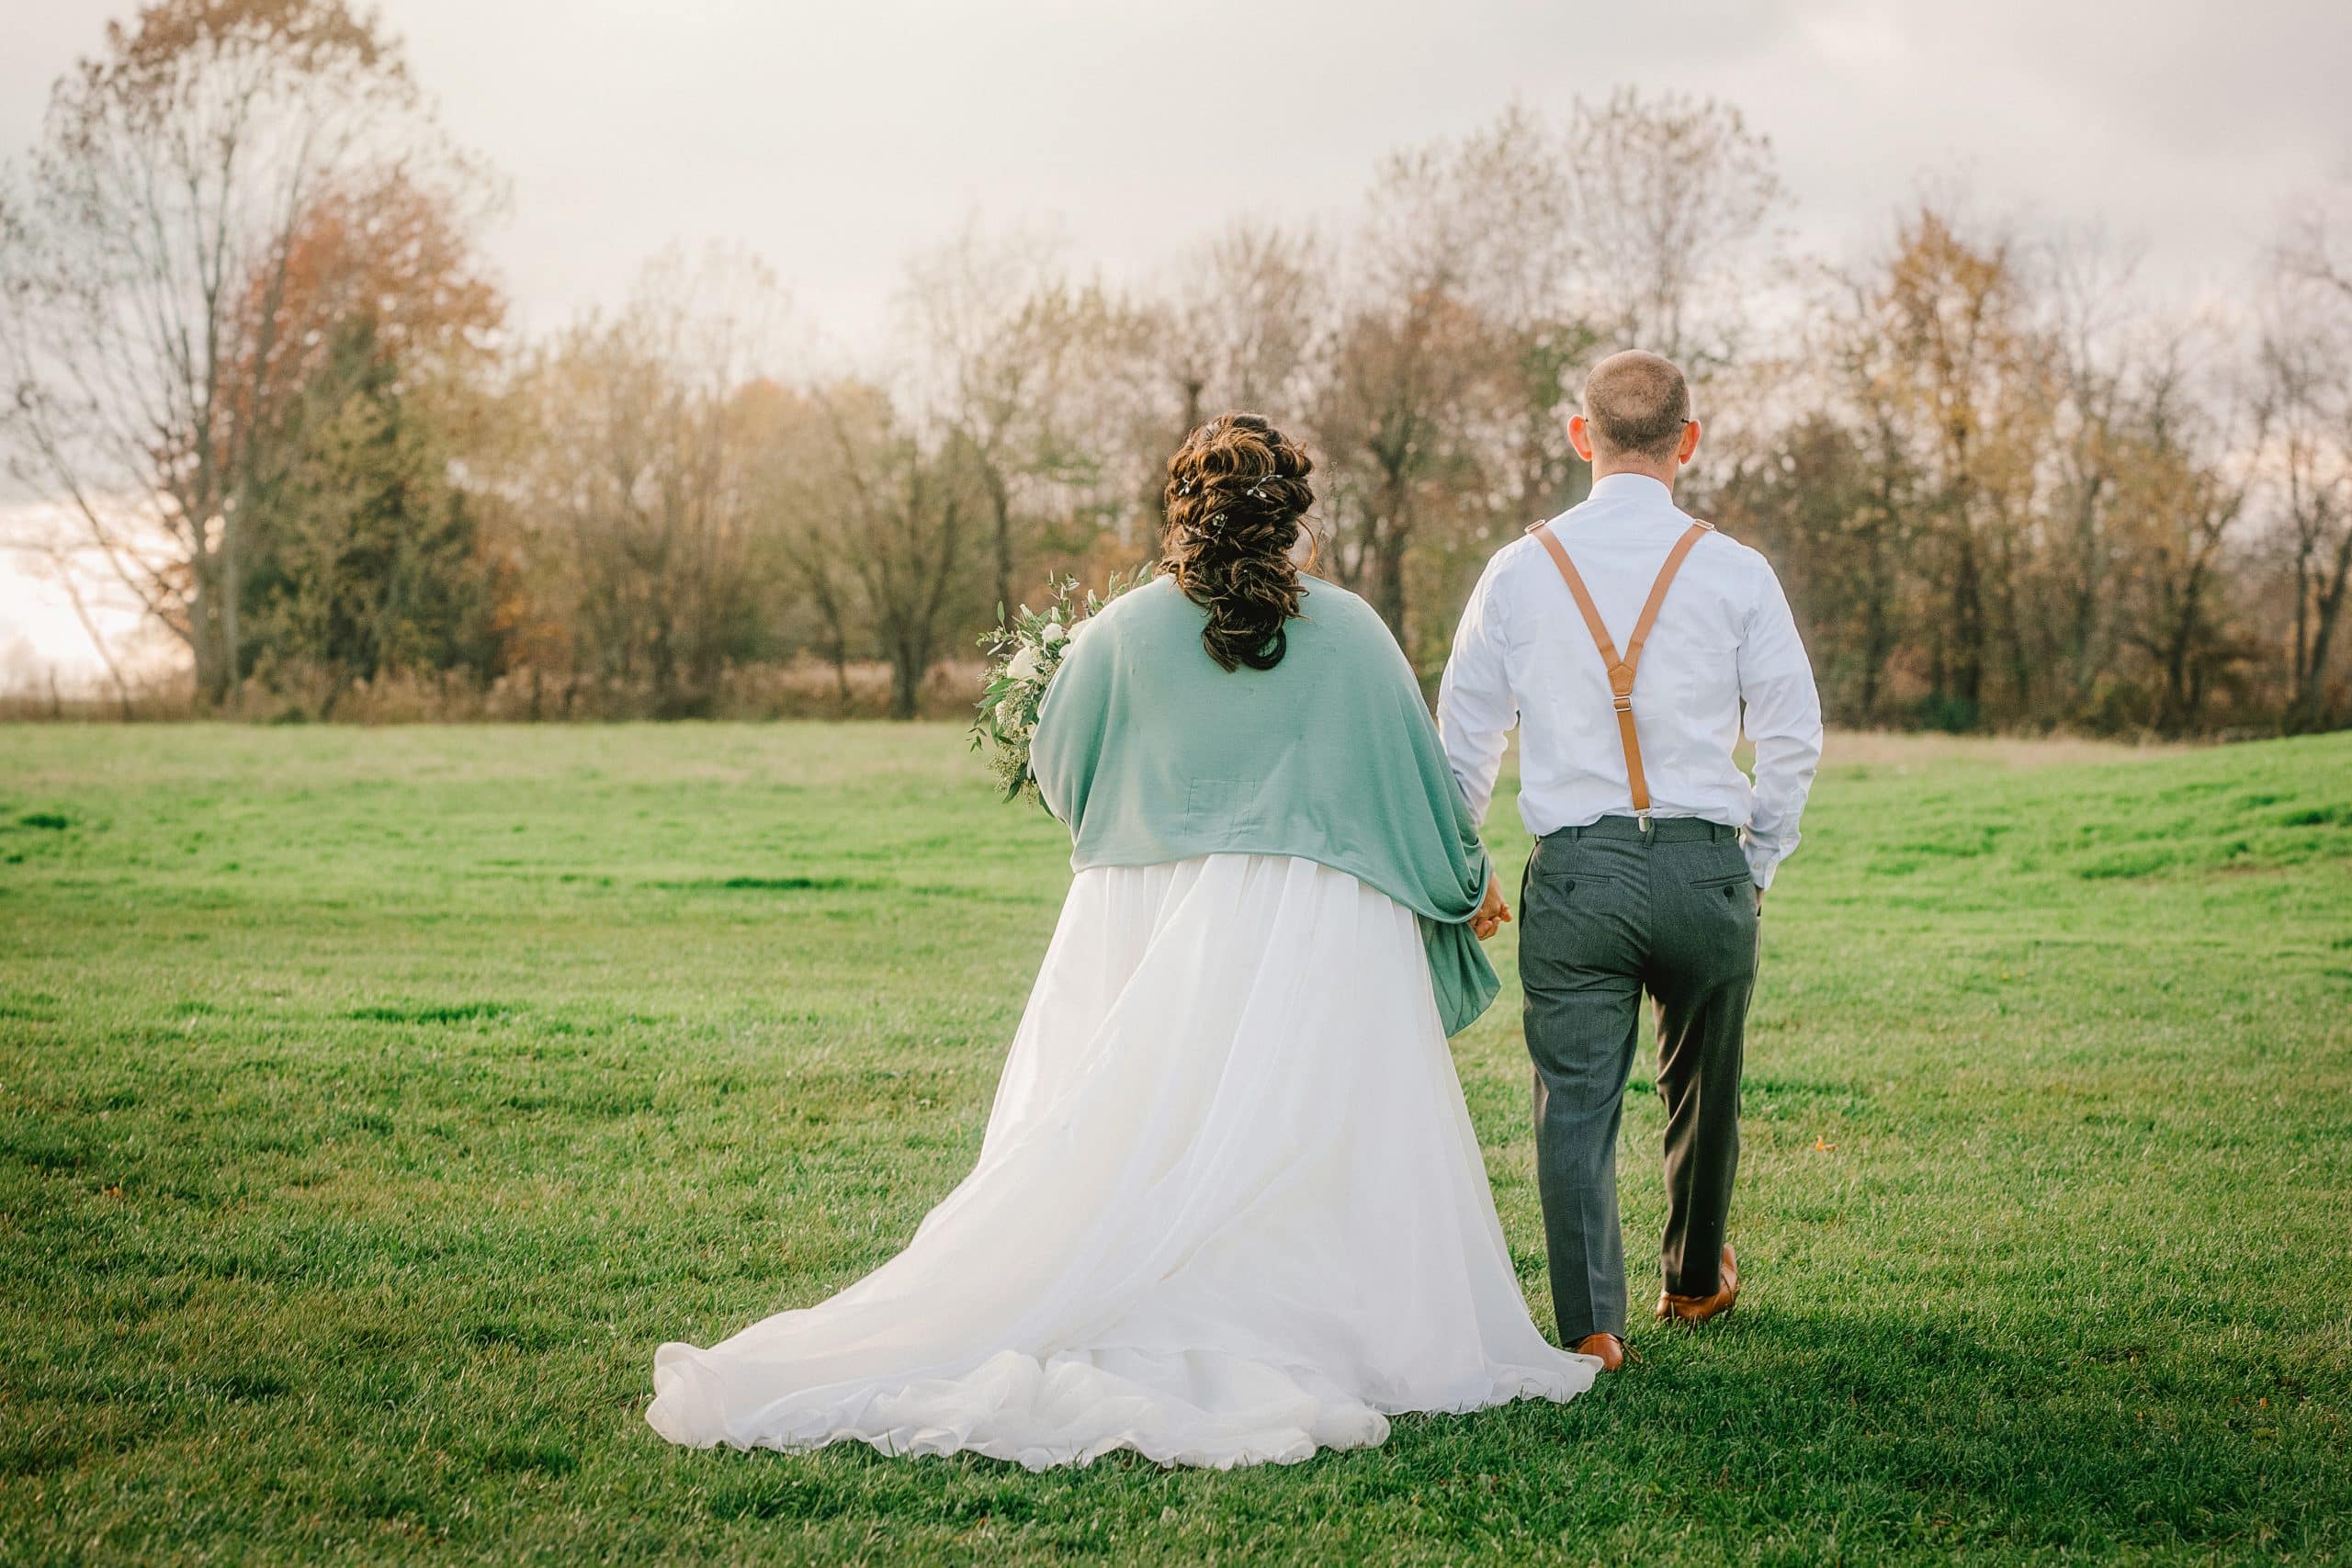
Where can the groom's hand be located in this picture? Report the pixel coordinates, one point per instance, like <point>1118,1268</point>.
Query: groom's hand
<point>1492,912</point>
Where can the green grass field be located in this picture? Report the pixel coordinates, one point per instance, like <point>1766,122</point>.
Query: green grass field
<point>373,1101</point>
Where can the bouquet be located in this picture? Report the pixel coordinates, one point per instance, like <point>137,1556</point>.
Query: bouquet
<point>1023,652</point>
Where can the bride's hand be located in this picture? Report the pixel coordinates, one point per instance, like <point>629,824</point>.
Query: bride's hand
<point>1493,913</point>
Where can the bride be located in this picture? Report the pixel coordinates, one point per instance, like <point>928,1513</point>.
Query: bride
<point>1230,1209</point>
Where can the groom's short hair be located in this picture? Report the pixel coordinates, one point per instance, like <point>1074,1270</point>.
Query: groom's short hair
<point>1636,403</point>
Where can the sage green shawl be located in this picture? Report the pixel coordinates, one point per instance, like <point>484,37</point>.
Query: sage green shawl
<point>1151,753</point>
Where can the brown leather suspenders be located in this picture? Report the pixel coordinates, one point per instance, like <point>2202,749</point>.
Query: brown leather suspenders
<point>1621,670</point>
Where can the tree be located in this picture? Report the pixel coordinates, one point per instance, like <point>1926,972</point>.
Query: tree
<point>1670,205</point>
<point>365,562</point>
<point>912,507</point>
<point>1242,325</point>
<point>1456,265</point>
<point>366,350</point>
<point>2306,376</point>
<point>1961,381</point>
<point>1883,530</point>
<point>994,325</point>
<point>1117,425</point>
<point>1829,509</point>
<point>1486,272</point>
<point>635,482</point>
<point>2179,511</point>
<point>1394,419</point>
<point>2092,362</point>
<point>795,485</point>
<point>175,174</point>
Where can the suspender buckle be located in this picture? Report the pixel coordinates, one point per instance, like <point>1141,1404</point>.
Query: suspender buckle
<point>1624,704</point>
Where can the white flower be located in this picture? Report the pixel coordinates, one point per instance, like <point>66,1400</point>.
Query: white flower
<point>1008,715</point>
<point>1079,629</point>
<point>1051,633</point>
<point>1026,665</point>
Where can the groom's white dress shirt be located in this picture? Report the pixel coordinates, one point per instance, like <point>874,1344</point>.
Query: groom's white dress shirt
<point>1723,638</point>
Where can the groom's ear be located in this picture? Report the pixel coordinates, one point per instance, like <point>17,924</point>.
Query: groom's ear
<point>1580,436</point>
<point>1689,441</point>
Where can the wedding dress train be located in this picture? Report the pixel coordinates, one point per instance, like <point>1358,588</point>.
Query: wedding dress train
<point>1230,1209</point>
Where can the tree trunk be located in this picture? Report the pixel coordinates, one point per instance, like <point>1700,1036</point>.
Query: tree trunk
<point>907,670</point>
<point>2302,622</point>
<point>2180,652</point>
<point>1968,627</point>
<point>206,642</point>
<point>1388,531</point>
<point>2082,604</point>
<point>2311,683</point>
<point>231,585</point>
<point>1876,648</point>
<point>1878,586</point>
<point>1001,506</point>
<point>1389,584</point>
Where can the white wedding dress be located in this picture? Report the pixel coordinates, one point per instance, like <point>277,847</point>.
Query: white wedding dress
<point>1229,1210</point>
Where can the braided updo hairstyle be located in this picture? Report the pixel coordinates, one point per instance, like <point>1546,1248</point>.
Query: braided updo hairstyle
<point>1237,491</point>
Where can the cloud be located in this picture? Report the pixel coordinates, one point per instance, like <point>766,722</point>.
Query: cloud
<point>836,140</point>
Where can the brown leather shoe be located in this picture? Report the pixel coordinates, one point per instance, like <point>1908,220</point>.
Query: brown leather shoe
<point>1698,1309</point>
<point>1607,1347</point>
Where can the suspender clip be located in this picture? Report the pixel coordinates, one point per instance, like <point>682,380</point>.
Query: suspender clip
<point>1644,819</point>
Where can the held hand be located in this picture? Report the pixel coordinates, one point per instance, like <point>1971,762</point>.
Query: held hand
<point>1493,913</point>
<point>1759,901</point>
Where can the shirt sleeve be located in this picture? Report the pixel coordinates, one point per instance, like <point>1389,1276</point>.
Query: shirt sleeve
<point>1784,721</point>
<point>1475,709</point>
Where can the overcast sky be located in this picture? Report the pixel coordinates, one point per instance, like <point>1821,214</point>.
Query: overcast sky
<point>835,139</point>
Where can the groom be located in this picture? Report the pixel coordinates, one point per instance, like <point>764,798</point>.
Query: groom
<point>1654,849</point>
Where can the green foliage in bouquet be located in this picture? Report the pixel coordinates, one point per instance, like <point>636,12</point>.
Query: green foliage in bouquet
<point>1023,651</point>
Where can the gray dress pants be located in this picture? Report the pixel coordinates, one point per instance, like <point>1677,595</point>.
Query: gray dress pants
<point>1606,913</point>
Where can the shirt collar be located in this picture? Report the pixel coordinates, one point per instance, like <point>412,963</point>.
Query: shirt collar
<point>1631,487</point>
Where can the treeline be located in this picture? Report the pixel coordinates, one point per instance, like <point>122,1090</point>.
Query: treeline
<point>251,344</point>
